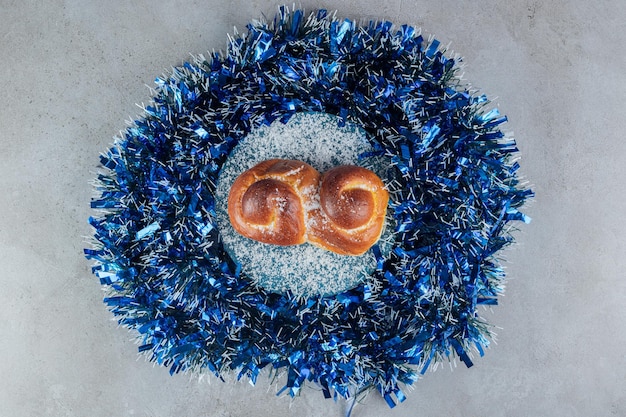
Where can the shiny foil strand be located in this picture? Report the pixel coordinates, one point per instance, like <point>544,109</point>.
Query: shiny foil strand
<point>157,248</point>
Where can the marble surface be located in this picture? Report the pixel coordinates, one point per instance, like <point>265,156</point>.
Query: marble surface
<point>72,72</point>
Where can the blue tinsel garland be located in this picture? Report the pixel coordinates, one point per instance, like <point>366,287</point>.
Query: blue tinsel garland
<point>157,247</point>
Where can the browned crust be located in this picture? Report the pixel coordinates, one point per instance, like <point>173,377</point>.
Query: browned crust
<point>266,203</point>
<point>353,205</point>
<point>287,202</point>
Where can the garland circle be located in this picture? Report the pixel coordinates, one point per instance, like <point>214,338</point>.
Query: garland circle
<point>157,248</point>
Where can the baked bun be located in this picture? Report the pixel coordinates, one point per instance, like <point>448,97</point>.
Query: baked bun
<point>286,202</point>
<point>268,202</point>
<point>351,214</point>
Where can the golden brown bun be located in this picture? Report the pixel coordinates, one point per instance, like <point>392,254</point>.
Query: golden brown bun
<point>287,202</point>
<point>267,202</point>
<point>350,219</point>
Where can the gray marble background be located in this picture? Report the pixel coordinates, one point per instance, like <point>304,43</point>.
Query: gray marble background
<point>72,72</point>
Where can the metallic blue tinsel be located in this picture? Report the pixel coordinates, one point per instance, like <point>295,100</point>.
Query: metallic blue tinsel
<point>158,250</point>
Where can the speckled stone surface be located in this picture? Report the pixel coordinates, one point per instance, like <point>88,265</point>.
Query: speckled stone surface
<point>72,72</point>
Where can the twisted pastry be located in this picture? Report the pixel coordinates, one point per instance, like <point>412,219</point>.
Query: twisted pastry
<point>287,202</point>
<point>267,202</point>
<point>351,214</point>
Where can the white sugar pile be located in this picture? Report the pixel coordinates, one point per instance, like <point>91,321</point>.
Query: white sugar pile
<point>305,269</point>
